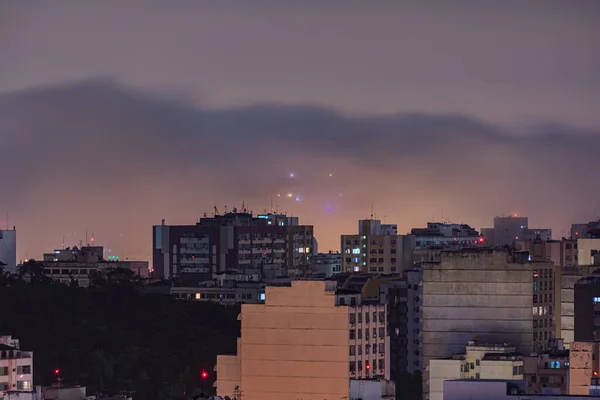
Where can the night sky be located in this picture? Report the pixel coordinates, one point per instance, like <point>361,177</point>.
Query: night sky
<point>114,115</point>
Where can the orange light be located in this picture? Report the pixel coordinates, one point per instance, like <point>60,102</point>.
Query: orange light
<point>595,373</point>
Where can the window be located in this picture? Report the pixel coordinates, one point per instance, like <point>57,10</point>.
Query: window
<point>352,318</point>
<point>352,350</point>
<point>381,332</point>
<point>360,365</point>
<point>596,300</point>
<point>23,369</point>
<point>374,333</point>
<point>359,333</point>
<point>515,370</point>
<point>352,366</point>
<point>472,366</point>
<point>367,348</point>
<point>374,349</point>
<point>477,375</point>
<point>360,350</point>
<point>381,316</point>
<point>367,334</point>
<point>381,348</point>
<point>352,334</point>
<point>381,365</point>
<point>23,385</point>
<point>3,371</point>
<point>374,316</point>
<point>360,318</point>
<point>356,251</point>
<point>367,317</point>
<point>477,362</point>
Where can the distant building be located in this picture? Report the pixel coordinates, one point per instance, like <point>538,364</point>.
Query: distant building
<point>589,230</point>
<point>249,293</point>
<point>8,250</point>
<point>16,366</point>
<point>272,245</point>
<point>584,368</point>
<point>302,343</point>
<point>325,265</point>
<point>479,361</point>
<point>565,305</point>
<point>473,294</point>
<point>587,309</point>
<point>546,278</point>
<point>560,252</point>
<point>513,228</point>
<point>547,373</point>
<point>80,264</point>
<point>376,249</point>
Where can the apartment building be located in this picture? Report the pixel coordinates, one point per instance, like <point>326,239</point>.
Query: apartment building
<point>564,315</point>
<point>376,249</point>
<point>560,252</point>
<point>508,229</point>
<point>545,278</point>
<point>475,293</point>
<point>479,361</point>
<point>271,245</point>
<point>8,250</point>
<point>325,265</point>
<point>587,230</point>
<point>80,264</point>
<point>16,366</point>
<point>547,373</point>
<point>303,343</point>
<point>587,308</point>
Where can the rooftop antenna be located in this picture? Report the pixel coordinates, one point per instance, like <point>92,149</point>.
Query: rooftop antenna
<point>372,210</point>
<point>243,206</point>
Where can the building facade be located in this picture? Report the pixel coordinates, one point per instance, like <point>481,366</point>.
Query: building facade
<point>587,309</point>
<point>303,344</point>
<point>513,228</point>
<point>272,245</point>
<point>473,294</point>
<point>325,265</point>
<point>545,277</point>
<point>479,361</point>
<point>547,373</point>
<point>376,250</point>
<point>16,366</point>
<point>8,250</point>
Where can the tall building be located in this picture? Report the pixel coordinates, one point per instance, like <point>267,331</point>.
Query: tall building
<point>303,344</point>
<point>565,305</point>
<point>478,361</point>
<point>8,250</point>
<point>513,228</point>
<point>271,245</point>
<point>16,366</point>
<point>587,309</point>
<point>376,249</point>
<point>470,294</point>
<point>545,278</point>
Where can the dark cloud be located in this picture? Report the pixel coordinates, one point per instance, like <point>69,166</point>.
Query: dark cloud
<point>113,160</point>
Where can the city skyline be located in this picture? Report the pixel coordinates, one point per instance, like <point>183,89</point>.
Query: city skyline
<point>115,129</point>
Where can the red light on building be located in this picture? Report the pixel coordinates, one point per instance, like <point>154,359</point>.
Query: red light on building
<point>481,240</point>
<point>204,374</point>
<point>368,367</point>
<point>56,371</point>
<point>595,373</point>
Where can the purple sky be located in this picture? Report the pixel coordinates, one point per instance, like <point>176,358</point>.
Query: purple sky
<point>128,87</point>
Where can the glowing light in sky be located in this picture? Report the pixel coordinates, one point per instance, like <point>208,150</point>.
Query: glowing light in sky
<point>289,195</point>
<point>292,174</point>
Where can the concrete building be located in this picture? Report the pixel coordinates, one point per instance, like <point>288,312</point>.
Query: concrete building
<point>376,250</point>
<point>513,228</point>
<point>589,230</point>
<point>16,367</point>
<point>80,264</point>
<point>303,344</point>
<point>587,309</point>
<point>584,367</point>
<point>325,265</point>
<point>587,250</point>
<point>249,293</point>
<point>565,314</point>
<point>545,277</point>
<point>8,250</point>
<point>479,361</point>
<point>271,245</point>
<point>560,252</point>
<point>473,294</point>
<point>497,389</point>
<point>547,373</point>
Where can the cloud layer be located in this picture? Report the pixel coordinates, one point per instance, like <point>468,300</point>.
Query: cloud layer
<point>98,156</point>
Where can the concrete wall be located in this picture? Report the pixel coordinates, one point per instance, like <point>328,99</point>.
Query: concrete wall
<point>475,295</point>
<point>583,361</point>
<point>296,345</point>
<point>439,371</point>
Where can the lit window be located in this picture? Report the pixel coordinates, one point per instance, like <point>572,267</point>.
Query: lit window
<point>301,250</point>
<point>197,296</point>
<point>355,251</point>
<point>596,300</point>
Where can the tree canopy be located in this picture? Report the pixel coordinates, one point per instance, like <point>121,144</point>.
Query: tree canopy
<point>111,337</point>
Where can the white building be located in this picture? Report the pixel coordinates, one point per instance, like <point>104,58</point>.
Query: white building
<point>8,250</point>
<point>325,265</point>
<point>480,361</point>
<point>16,367</point>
